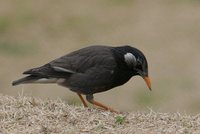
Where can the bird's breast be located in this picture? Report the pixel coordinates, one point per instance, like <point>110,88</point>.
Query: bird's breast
<point>121,77</point>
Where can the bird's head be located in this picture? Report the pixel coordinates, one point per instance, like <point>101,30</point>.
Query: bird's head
<point>137,62</point>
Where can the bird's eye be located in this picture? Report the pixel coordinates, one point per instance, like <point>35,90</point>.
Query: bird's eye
<point>139,64</point>
<point>139,67</point>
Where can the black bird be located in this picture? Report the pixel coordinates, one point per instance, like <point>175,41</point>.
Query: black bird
<point>91,70</point>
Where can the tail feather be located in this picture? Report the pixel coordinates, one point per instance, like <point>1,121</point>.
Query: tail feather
<point>34,79</point>
<point>27,79</point>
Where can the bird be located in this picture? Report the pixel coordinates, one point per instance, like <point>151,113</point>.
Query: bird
<point>91,70</point>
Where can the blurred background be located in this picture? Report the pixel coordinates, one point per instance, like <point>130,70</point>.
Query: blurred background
<point>168,32</point>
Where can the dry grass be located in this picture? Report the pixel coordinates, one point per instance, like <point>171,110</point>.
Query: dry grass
<point>32,115</point>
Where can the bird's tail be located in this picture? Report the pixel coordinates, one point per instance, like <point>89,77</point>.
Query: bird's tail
<point>27,79</point>
<point>34,79</point>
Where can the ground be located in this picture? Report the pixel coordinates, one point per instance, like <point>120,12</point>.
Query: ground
<point>23,114</point>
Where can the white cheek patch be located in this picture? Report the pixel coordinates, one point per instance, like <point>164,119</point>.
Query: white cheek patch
<point>130,59</point>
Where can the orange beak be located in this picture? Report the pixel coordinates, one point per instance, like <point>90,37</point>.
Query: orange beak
<point>148,82</point>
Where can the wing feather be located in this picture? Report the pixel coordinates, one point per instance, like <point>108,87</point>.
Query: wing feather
<point>79,61</point>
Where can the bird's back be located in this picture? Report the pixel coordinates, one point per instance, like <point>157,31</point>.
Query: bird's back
<point>85,58</point>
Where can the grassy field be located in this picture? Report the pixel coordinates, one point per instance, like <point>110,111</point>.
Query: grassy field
<point>33,115</point>
<point>33,33</point>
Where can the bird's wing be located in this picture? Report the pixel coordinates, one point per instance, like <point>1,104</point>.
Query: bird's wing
<point>83,59</point>
<point>76,62</point>
<point>47,71</point>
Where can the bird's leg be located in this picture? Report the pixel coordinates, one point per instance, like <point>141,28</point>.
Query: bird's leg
<point>83,101</point>
<point>90,98</point>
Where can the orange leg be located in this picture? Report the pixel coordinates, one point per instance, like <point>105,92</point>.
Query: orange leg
<point>90,99</point>
<point>83,101</point>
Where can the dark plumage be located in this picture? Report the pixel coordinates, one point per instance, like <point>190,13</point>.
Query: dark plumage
<point>91,70</point>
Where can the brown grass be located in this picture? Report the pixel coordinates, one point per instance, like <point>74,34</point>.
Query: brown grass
<point>23,114</point>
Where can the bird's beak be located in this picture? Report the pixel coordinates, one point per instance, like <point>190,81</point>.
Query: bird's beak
<point>148,82</point>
